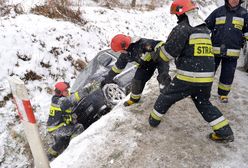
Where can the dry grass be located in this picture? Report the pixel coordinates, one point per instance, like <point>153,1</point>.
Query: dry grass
<point>6,9</point>
<point>59,11</point>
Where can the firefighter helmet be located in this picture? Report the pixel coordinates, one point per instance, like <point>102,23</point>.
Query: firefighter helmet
<point>179,7</point>
<point>120,42</point>
<point>60,87</point>
<point>240,2</point>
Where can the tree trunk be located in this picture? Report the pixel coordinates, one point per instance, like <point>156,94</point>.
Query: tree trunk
<point>133,4</point>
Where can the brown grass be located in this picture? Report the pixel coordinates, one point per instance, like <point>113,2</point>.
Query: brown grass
<point>58,11</point>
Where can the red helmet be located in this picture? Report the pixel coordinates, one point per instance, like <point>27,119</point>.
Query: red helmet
<point>120,42</point>
<point>60,87</point>
<point>179,7</point>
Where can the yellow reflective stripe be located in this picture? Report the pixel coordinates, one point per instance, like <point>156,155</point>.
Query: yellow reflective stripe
<point>53,108</point>
<point>68,119</point>
<point>238,21</point>
<point>194,79</point>
<point>220,20</point>
<point>195,74</point>
<point>52,152</point>
<point>77,97</point>
<point>200,40</point>
<point>233,52</point>
<point>159,45</point>
<point>216,50</point>
<point>246,36</point>
<point>68,111</point>
<point>220,125</point>
<point>116,70</point>
<point>163,56</point>
<point>230,52</point>
<point>204,50</point>
<point>155,116</point>
<point>148,57</point>
<point>133,96</point>
<point>224,87</point>
<point>50,129</point>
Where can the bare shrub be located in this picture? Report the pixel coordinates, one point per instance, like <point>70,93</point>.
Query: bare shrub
<point>59,11</point>
<point>79,64</point>
<point>134,4</point>
<point>2,2</point>
<point>31,75</point>
<point>7,9</point>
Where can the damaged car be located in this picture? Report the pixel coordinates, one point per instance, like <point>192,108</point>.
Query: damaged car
<point>101,100</point>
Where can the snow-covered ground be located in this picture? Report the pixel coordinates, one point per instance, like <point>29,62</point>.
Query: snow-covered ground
<point>52,48</point>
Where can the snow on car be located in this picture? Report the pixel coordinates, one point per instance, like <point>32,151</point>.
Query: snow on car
<point>101,100</point>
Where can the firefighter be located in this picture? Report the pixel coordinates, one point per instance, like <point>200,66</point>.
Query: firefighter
<point>62,123</point>
<point>229,27</point>
<point>190,45</point>
<point>137,50</point>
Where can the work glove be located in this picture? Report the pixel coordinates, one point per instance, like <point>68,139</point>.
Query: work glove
<point>67,119</point>
<point>92,87</point>
<point>74,118</point>
<point>108,78</point>
<point>164,84</point>
<point>155,55</point>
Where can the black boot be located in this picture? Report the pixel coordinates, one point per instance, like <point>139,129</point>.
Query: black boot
<point>153,122</point>
<point>218,138</point>
<point>223,135</point>
<point>128,103</point>
<point>51,154</point>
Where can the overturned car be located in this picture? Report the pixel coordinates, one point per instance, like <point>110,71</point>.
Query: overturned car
<point>101,99</point>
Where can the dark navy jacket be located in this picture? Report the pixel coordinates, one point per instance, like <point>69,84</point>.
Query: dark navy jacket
<point>191,47</point>
<point>136,53</point>
<point>229,29</point>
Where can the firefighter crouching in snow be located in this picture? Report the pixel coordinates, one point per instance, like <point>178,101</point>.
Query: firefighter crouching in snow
<point>138,51</point>
<point>229,27</point>
<point>62,124</point>
<point>190,44</point>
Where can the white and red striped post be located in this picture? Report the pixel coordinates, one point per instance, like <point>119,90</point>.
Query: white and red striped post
<point>27,118</point>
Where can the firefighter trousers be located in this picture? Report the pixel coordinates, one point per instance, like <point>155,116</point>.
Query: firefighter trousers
<point>63,135</point>
<point>200,95</point>
<point>144,73</point>
<point>228,67</point>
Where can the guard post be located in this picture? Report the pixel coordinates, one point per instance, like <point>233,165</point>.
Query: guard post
<point>27,118</point>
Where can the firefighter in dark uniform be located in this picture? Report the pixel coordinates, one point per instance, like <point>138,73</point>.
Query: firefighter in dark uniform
<point>138,51</point>
<point>62,124</point>
<point>229,27</point>
<point>190,45</point>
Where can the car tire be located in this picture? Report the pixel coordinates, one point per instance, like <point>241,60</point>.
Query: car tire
<point>113,93</point>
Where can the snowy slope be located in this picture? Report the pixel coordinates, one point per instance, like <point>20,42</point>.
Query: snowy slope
<point>123,137</point>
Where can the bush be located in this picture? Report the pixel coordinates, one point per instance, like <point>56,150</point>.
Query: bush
<point>60,10</point>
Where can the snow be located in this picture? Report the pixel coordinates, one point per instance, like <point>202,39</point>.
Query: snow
<point>122,138</point>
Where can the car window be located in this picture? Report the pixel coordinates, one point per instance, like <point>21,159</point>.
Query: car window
<point>105,59</point>
<point>114,54</point>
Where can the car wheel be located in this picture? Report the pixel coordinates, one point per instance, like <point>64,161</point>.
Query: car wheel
<point>113,93</point>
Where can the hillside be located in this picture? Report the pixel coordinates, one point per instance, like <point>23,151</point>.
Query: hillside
<point>42,51</point>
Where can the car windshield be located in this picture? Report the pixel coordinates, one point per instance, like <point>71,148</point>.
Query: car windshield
<point>95,70</point>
